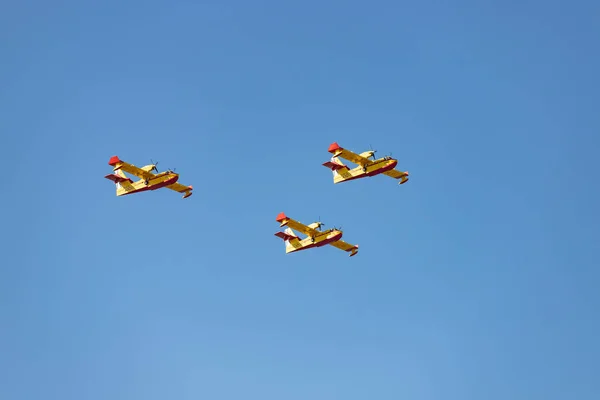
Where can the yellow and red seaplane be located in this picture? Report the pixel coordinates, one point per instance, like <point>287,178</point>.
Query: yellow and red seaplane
<point>365,168</point>
<point>316,237</point>
<point>148,180</point>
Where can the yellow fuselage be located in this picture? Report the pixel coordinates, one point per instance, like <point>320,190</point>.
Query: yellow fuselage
<point>322,239</point>
<point>156,182</point>
<point>376,168</point>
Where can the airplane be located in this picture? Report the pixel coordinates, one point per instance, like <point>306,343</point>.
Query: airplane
<point>316,237</point>
<point>365,168</point>
<point>148,180</point>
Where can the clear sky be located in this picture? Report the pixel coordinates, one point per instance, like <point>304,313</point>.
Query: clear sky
<point>478,279</point>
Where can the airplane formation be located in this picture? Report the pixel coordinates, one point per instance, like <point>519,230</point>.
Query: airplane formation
<point>367,166</point>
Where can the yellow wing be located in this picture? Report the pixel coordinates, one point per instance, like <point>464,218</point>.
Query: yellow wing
<point>295,225</point>
<point>394,173</point>
<point>340,244</point>
<point>178,187</point>
<point>117,164</point>
<point>338,151</point>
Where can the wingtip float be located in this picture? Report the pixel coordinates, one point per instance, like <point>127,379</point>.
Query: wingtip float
<point>148,180</point>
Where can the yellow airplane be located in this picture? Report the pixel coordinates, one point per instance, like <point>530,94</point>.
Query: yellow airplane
<point>365,168</point>
<point>316,237</point>
<point>148,180</point>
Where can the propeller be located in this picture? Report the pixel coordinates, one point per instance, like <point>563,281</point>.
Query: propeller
<point>319,224</point>
<point>372,152</point>
<point>155,164</point>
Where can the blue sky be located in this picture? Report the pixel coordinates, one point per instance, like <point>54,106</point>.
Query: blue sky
<point>477,279</point>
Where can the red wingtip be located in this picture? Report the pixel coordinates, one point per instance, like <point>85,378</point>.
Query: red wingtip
<point>333,147</point>
<point>281,217</point>
<point>113,161</point>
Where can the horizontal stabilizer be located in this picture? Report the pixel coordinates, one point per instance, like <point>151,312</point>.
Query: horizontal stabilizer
<point>333,166</point>
<point>117,178</point>
<point>285,236</point>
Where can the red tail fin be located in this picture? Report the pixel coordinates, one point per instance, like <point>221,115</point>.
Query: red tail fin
<point>333,147</point>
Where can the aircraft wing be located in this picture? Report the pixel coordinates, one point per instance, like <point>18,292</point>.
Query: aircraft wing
<point>300,227</point>
<point>117,164</point>
<point>340,244</point>
<point>295,225</point>
<point>394,173</point>
<point>338,151</point>
<point>178,187</point>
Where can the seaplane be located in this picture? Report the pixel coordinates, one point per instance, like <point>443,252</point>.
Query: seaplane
<point>316,237</point>
<point>368,166</point>
<point>148,180</point>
